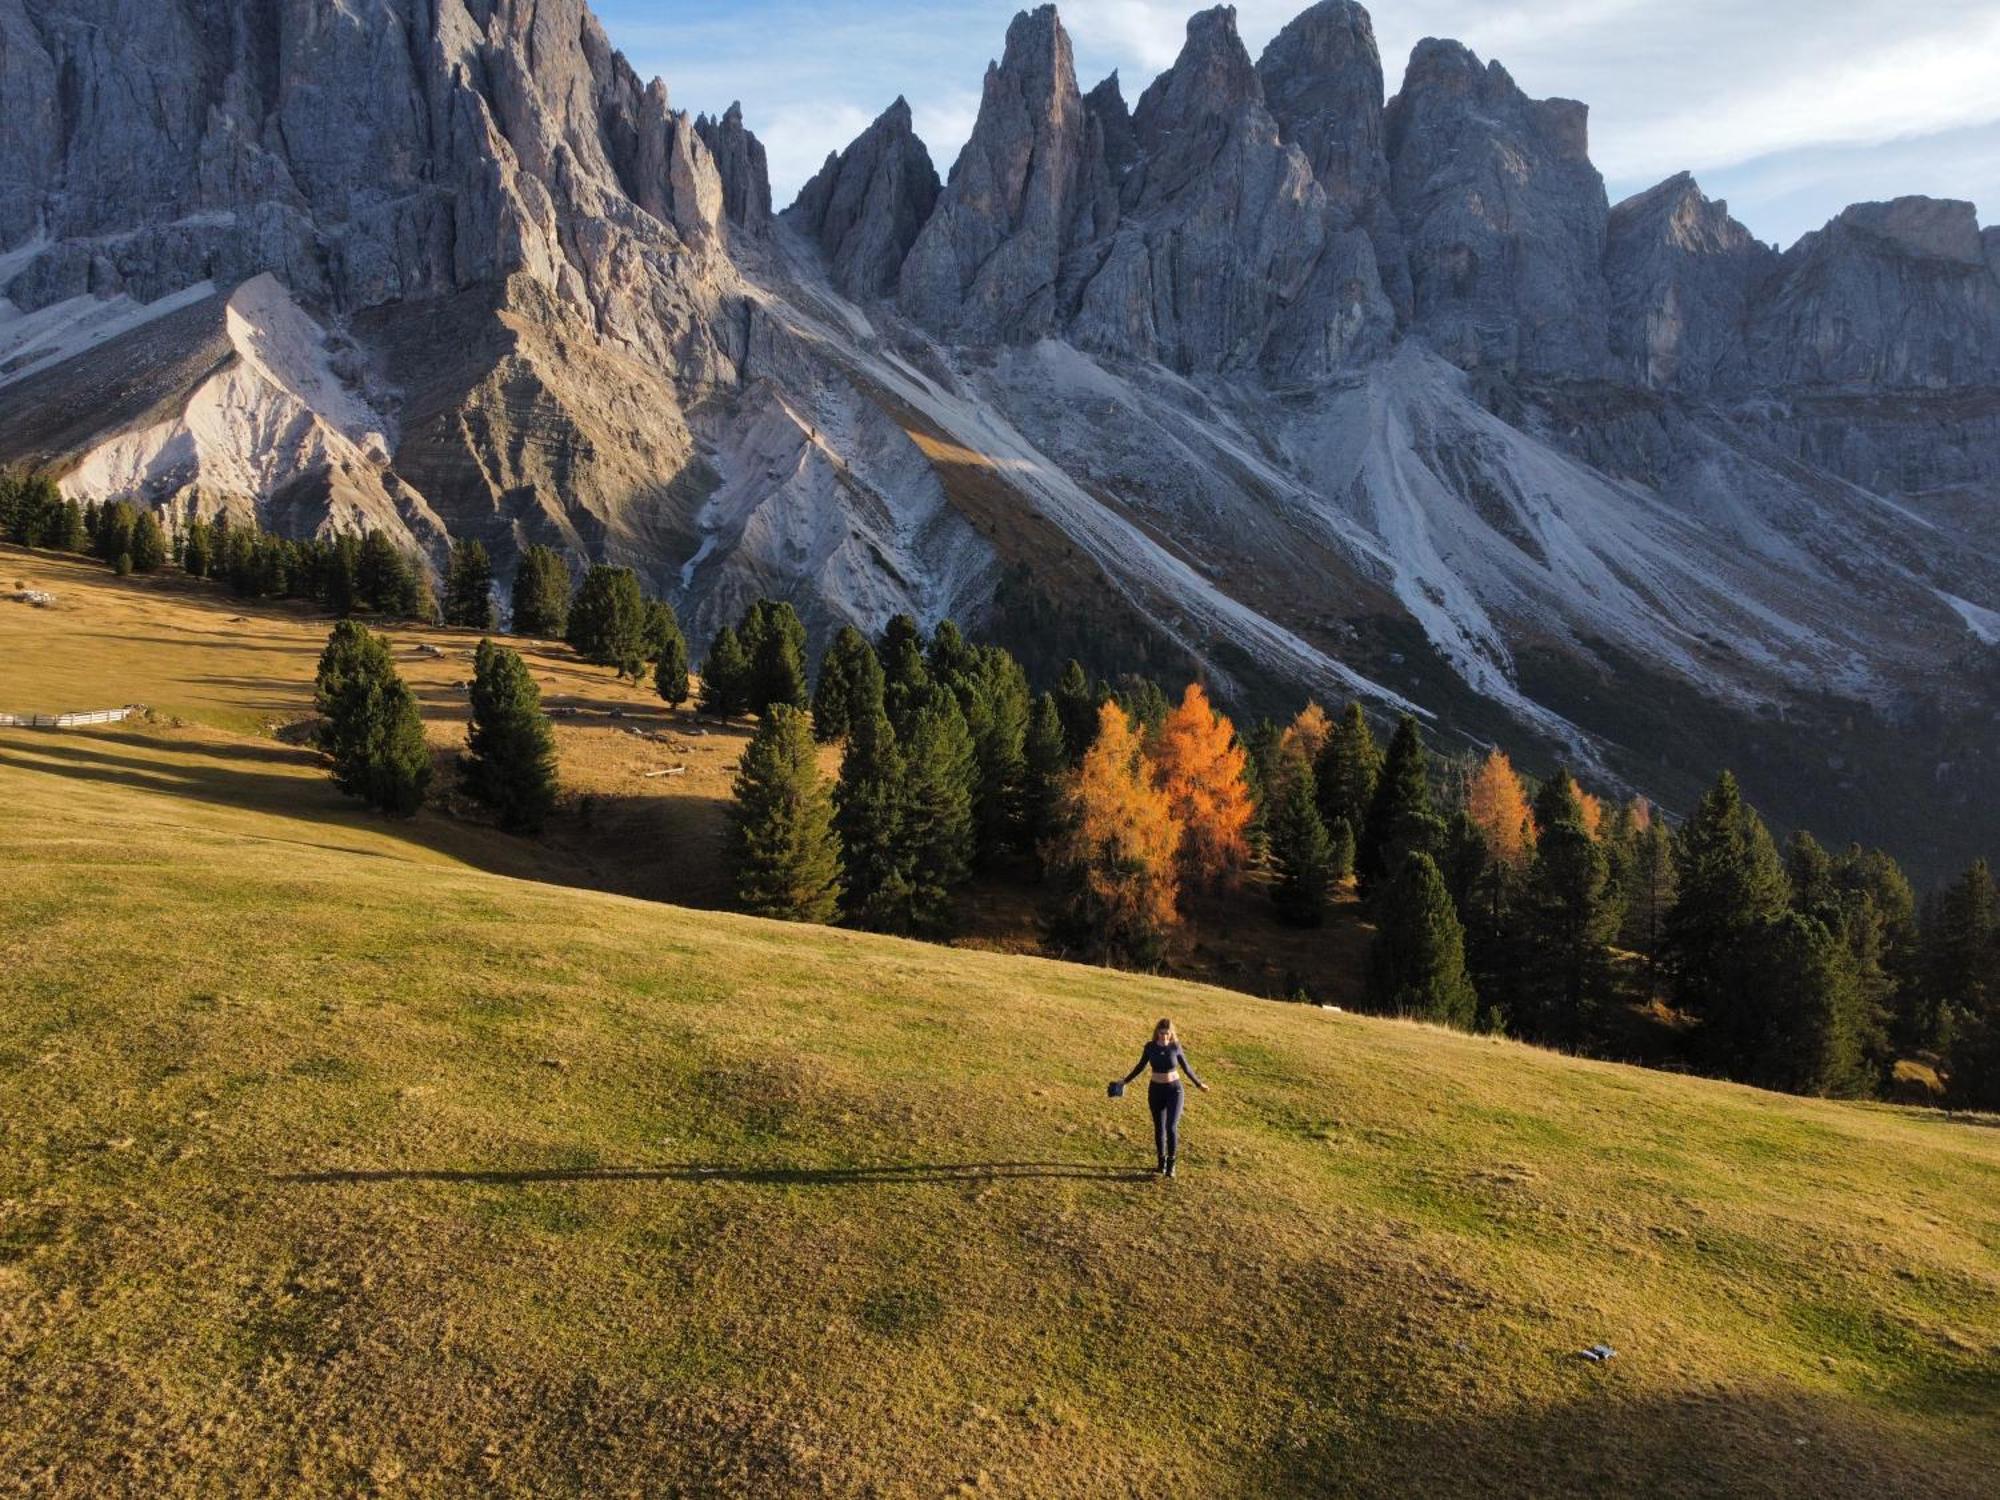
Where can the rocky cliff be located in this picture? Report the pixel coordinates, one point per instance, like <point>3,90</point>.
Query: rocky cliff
<point>1262,373</point>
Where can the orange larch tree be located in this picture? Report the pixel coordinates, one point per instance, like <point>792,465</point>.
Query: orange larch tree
<point>1496,801</point>
<point>1200,766</point>
<point>1593,813</point>
<point>1114,859</point>
<point>1307,733</point>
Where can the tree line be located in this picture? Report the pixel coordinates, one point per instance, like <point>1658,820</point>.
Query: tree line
<point>1498,903</point>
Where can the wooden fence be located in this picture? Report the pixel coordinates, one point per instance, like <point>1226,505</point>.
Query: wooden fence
<point>70,721</point>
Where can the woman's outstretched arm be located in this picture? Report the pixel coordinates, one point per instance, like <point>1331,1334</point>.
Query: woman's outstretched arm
<point>1182,1058</point>
<point>1137,1067</point>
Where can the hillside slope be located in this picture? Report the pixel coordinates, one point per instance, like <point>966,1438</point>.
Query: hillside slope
<point>330,1164</point>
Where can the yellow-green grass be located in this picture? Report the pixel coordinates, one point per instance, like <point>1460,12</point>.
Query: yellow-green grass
<point>332,1162</point>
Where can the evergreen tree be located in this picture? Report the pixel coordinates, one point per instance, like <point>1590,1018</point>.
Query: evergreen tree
<point>786,856</point>
<point>1649,894</point>
<point>116,524</point>
<point>1416,965</point>
<point>1815,891</point>
<point>1804,1035</point>
<point>1264,748</point>
<point>196,558</point>
<point>382,578</point>
<point>1301,850</point>
<point>837,697</point>
<point>607,619</point>
<point>1873,875</point>
<point>1113,861</point>
<point>37,507</point>
<point>774,640</point>
<point>1400,821</point>
<point>418,600</point>
<point>11,487</point>
<point>1729,886</point>
<point>939,774</point>
<point>725,677</point>
<point>996,715</point>
<point>149,543</point>
<point>670,672</point>
<point>67,532</point>
<point>952,661</point>
<point>468,587</point>
<point>1961,942</point>
<point>868,804</point>
<point>370,727</point>
<point>1046,753</point>
<point>541,594</point>
<point>1144,703</point>
<point>1569,916</point>
<point>340,582</point>
<point>512,762</point>
<point>906,676</point>
<point>1076,704</point>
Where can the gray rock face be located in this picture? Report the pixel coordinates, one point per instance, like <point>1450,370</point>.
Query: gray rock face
<point>985,267</point>
<point>1899,295</point>
<point>1322,78</point>
<point>1503,216</point>
<point>868,203</point>
<point>1683,277</point>
<point>746,175</point>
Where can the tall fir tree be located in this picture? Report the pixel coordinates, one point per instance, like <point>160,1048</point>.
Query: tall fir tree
<point>670,672</point>
<point>996,713</point>
<point>868,809</point>
<point>1204,772</point>
<point>468,587</point>
<point>115,526</point>
<point>774,640</point>
<point>1960,944</point>
<point>906,674</point>
<point>1401,820</point>
<point>196,556</point>
<point>952,661</point>
<point>511,759</point>
<point>839,696</point>
<point>940,771</point>
<point>607,619</point>
<point>1815,887</point>
<point>1302,852</point>
<point>1802,1031</point>
<point>370,727</point>
<point>784,851</point>
<point>1569,915</point>
<point>1046,753</point>
<point>1077,705</point>
<point>725,676</point>
<point>541,594</point>
<point>1729,883</point>
<point>1113,861</point>
<point>1416,964</point>
<point>1650,886</point>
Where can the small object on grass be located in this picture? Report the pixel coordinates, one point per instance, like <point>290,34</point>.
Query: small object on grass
<point>1597,1353</point>
<point>1116,1090</point>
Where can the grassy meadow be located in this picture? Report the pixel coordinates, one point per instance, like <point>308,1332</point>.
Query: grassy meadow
<point>346,1157</point>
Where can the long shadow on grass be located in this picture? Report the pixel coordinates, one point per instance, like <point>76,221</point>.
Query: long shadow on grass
<point>920,1172</point>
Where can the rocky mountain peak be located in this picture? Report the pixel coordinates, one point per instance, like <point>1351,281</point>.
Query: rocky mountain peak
<point>1944,229</point>
<point>1212,80</point>
<point>868,203</point>
<point>1682,275</point>
<point>740,162</point>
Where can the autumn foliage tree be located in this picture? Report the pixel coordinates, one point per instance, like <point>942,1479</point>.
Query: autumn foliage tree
<point>1497,803</point>
<point>1200,766</point>
<point>1113,862</point>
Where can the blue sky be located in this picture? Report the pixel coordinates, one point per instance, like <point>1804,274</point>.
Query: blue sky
<point>1790,109</point>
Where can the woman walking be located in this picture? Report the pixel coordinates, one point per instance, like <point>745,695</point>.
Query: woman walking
<point>1164,1097</point>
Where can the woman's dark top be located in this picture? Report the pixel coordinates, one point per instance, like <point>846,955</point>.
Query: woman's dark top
<point>1164,1057</point>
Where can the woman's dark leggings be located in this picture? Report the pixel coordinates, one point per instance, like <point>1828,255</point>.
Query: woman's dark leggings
<point>1165,1100</point>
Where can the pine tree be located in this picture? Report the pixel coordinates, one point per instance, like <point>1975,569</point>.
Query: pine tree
<point>607,619</point>
<point>196,557</point>
<point>1650,887</point>
<point>1729,885</point>
<point>1301,850</point>
<point>116,524</point>
<point>10,504</point>
<point>1802,1011</point>
<point>512,762</point>
<point>1497,803</point>
<point>68,533</point>
<point>1569,917</point>
<point>786,856</point>
<point>868,805</point>
<point>996,714</point>
<point>370,727</point>
<point>951,660</point>
<point>1262,773</point>
<point>1961,944</point>
<point>1113,861</point>
<point>1046,753</point>
<point>1202,769</point>
<point>37,507</point>
<point>774,640</point>
<point>1144,703</point>
<point>905,674</point>
<point>1815,892</point>
<point>940,771</point>
<point>1077,706</point>
<point>541,594</point>
<point>670,672</point>
<point>1416,965</point>
<point>725,677</point>
<point>382,578</point>
<point>837,697</point>
<point>342,579</point>
<point>468,587</point>
<point>1401,821</point>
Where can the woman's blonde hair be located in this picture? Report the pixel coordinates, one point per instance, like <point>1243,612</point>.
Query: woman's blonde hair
<point>1173,1037</point>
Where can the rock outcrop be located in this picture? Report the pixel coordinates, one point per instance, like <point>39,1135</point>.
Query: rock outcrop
<point>1503,215</point>
<point>1683,277</point>
<point>866,205</point>
<point>743,168</point>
